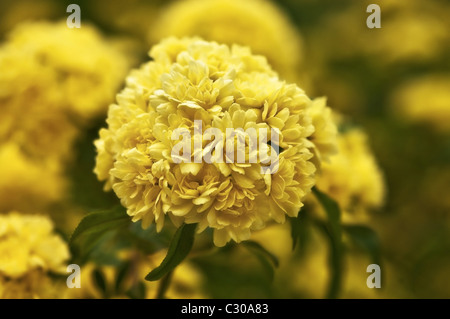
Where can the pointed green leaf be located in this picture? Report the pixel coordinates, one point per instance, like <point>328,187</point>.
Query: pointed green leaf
<point>332,211</point>
<point>300,228</point>
<point>179,248</point>
<point>256,248</point>
<point>100,222</point>
<point>267,266</point>
<point>138,291</point>
<point>365,238</point>
<point>333,230</point>
<point>121,275</point>
<point>99,279</point>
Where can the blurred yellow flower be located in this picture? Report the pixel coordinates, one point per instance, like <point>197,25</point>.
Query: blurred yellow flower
<point>259,24</point>
<point>73,70</point>
<point>52,77</point>
<point>14,12</point>
<point>29,249</point>
<point>188,80</point>
<point>411,31</point>
<point>27,184</point>
<point>352,177</point>
<point>424,100</point>
<point>134,17</point>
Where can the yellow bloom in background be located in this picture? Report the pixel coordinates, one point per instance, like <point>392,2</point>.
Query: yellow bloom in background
<point>424,100</point>
<point>27,184</point>
<point>53,80</point>
<point>411,31</point>
<point>352,177</point>
<point>14,12</point>
<point>31,114</point>
<point>29,250</point>
<point>135,17</point>
<point>188,80</point>
<point>259,24</point>
<point>75,70</point>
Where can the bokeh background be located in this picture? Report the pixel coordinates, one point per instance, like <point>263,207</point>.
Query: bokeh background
<point>392,82</point>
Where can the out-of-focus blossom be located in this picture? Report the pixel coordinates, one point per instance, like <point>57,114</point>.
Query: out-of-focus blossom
<point>259,24</point>
<point>412,31</point>
<point>14,12</point>
<point>424,100</point>
<point>70,70</point>
<point>29,250</point>
<point>27,184</point>
<point>352,177</point>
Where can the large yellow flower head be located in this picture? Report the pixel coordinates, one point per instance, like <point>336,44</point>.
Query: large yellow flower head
<point>352,177</point>
<point>259,24</point>
<point>193,86</point>
<point>52,75</point>
<point>29,250</point>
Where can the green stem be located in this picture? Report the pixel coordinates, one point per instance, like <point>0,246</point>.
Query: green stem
<point>164,285</point>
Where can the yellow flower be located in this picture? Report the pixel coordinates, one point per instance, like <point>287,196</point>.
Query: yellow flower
<point>194,85</point>
<point>418,32</point>
<point>325,135</point>
<point>29,249</point>
<point>27,184</point>
<point>51,76</point>
<point>84,70</point>
<point>14,12</point>
<point>134,18</point>
<point>352,177</point>
<point>424,100</point>
<point>259,24</point>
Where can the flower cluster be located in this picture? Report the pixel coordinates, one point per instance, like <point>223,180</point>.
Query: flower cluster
<point>194,80</point>
<point>29,250</point>
<point>53,80</point>
<point>352,177</point>
<point>50,74</point>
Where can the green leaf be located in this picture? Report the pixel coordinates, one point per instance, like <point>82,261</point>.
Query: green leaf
<point>260,250</point>
<point>121,275</point>
<point>365,238</point>
<point>300,229</point>
<point>138,291</point>
<point>267,266</point>
<point>332,211</point>
<point>333,230</point>
<point>96,224</point>
<point>179,248</point>
<point>99,279</point>
<point>268,260</point>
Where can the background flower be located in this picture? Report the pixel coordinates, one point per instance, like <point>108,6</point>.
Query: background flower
<point>29,251</point>
<point>258,24</point>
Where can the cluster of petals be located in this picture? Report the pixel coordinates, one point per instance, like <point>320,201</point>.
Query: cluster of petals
<point>190,80</point>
